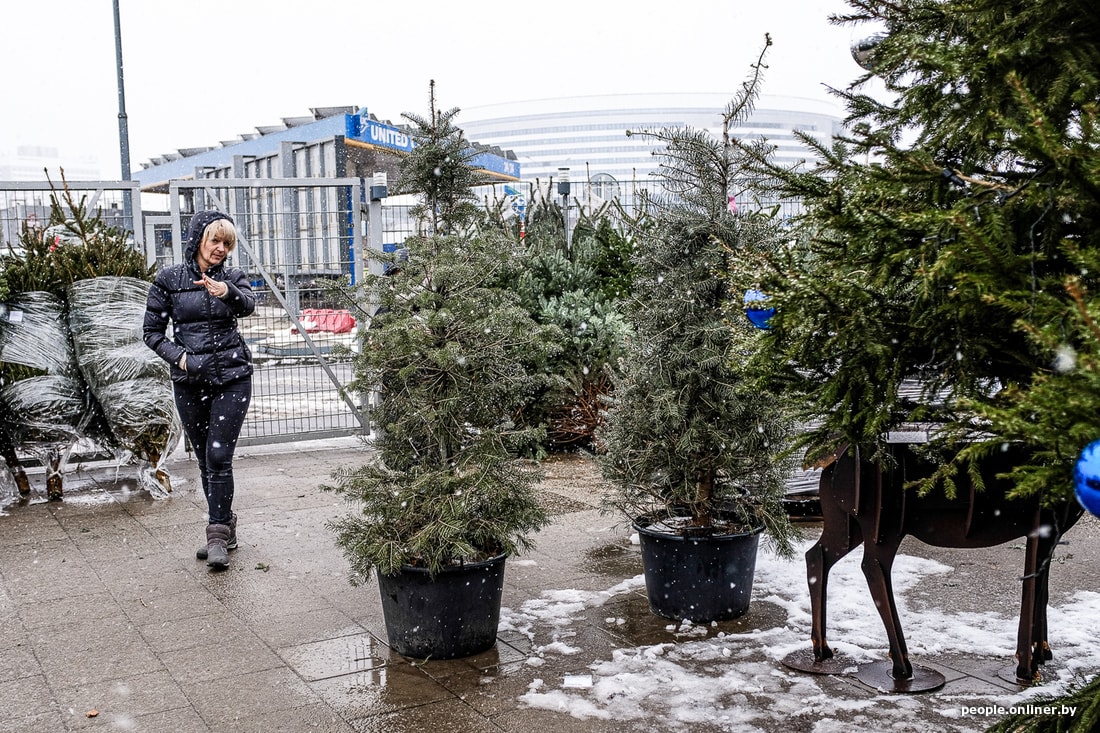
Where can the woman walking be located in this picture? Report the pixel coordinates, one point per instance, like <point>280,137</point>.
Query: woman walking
<point>210,363</point>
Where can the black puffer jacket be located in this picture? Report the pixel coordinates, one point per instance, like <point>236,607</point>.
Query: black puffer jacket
<point>203,327</point>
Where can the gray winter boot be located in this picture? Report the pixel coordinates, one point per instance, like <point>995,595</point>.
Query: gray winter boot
<point>230,545</point>
<point>217,540</point>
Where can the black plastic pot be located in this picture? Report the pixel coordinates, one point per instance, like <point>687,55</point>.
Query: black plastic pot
<point>701,579</point>
<point>455,614</point>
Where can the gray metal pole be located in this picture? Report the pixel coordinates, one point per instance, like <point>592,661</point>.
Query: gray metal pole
<point>123,129</point>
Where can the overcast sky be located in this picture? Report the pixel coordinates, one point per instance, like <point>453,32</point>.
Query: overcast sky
<point>199,72</point>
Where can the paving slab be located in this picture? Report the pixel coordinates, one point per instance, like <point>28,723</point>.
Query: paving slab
<point>106,610</point>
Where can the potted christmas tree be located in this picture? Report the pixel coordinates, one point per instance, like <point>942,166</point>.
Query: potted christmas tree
<point>689,442</point>
<point>444,501</point>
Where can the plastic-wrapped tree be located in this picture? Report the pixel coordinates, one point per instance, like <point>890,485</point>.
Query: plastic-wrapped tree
<point>42,398</point>
<point>71,362</point>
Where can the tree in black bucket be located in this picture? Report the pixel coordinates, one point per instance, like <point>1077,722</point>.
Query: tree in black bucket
<point>689,442</point>
<point>447,350</point>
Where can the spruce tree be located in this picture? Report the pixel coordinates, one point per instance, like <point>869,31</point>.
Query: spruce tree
<point>949,239</point>
<point>448,351</point>
<point>686,434</point>
<point>577,289</point>
<point>77,244</point>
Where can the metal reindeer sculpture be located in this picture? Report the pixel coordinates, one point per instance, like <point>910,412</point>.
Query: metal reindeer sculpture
<point>861,503</point>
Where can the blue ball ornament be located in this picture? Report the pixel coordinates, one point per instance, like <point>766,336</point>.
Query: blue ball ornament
<point>758,314</point>
<point>1086,478</point>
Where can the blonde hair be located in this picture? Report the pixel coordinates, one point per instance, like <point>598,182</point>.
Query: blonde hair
<point>224,230</point>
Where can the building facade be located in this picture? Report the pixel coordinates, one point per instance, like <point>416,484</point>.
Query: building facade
<point>291,188</point>
<point>335,142</point>
<point>30,162</point>
<point>588,135</point>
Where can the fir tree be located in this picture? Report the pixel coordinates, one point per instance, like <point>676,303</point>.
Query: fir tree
<point>685,431</point>
<point>439,171</point>
<point>75,245</point>
<point>930,279</point>
<point>448,349</point>
<point>576,289</point>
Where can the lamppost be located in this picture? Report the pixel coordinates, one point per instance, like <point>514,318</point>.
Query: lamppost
<point>563,191</point>
<point>123,128</point>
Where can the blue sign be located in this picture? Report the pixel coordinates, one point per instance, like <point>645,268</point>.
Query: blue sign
<point>364,129</point>
<point>496,164</point>
<point>376,133</point>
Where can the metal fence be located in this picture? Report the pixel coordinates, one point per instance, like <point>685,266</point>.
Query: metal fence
<point>28,205</point>
<point>297,239</point>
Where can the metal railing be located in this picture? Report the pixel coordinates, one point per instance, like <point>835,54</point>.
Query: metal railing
<point>28,205</point>
<point>296,238</point>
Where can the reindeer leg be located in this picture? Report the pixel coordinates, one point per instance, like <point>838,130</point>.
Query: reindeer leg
<point>1061,520</point>
<point>1040,644</point>
<point>839,492</point>
<point>1047,545</point>
<point>1032,648</point>
<point>1026,667</point>
<point>878,561</point>
<point>839,536</point>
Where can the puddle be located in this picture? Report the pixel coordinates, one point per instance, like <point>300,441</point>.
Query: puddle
<point>337,657</point>
<point>615,560</point>
<point>82,491</point>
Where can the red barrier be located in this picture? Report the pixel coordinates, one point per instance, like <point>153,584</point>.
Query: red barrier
<point>326,319</point>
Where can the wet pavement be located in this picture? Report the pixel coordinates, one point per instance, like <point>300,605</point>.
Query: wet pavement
<point>110,623</point>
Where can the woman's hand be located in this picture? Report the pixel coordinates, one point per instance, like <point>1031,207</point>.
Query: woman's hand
<point>215,288</point>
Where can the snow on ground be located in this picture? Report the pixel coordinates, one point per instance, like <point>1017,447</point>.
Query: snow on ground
<point>736,681</point>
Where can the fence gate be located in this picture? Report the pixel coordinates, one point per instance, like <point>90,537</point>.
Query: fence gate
<point>296,238</point>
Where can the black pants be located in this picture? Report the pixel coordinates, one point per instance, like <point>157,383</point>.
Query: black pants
<point>212,417</point>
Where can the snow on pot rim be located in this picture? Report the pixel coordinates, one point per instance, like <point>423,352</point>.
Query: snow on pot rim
<point>679,526</point>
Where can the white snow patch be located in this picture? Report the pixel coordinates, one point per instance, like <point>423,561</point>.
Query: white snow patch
<point>734,681</point>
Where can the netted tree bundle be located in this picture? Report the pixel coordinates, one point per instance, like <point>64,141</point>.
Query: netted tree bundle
<point>105,318</point>
<point>128,380</point>
<point>142,416</point>
<point>34,334</point>
<point>48,408</point>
